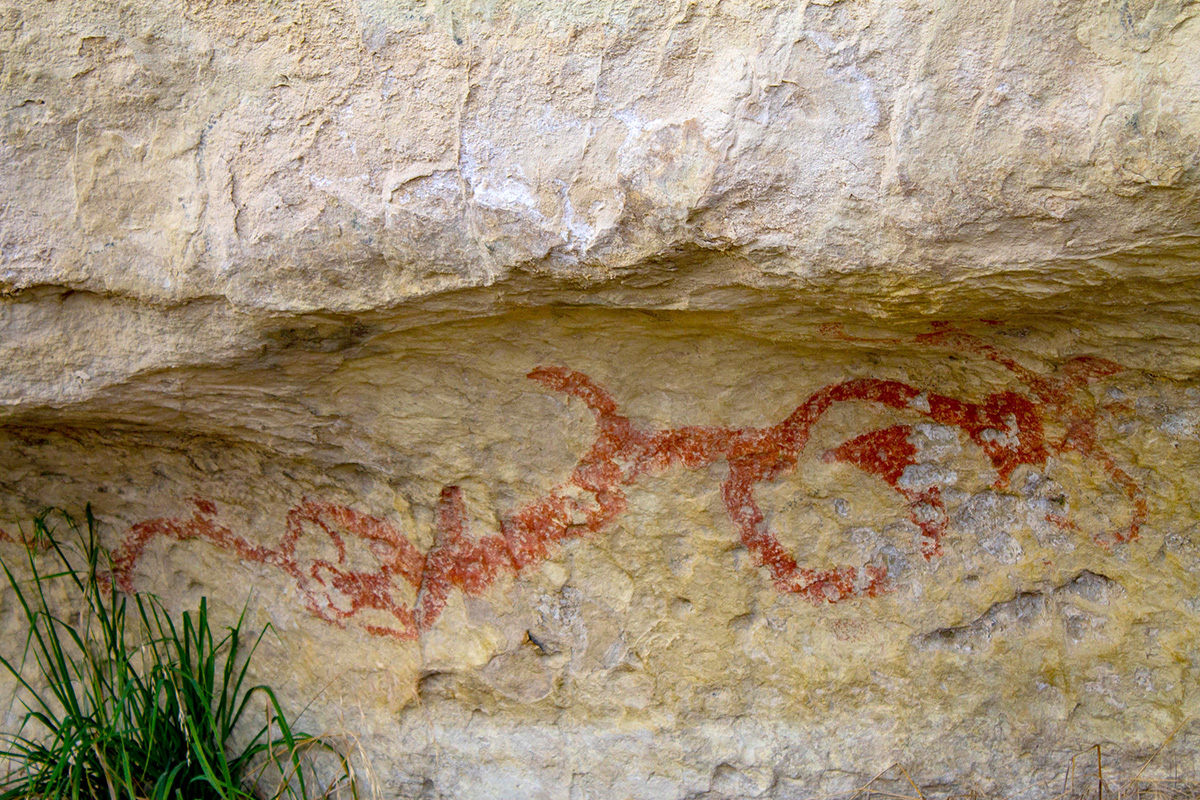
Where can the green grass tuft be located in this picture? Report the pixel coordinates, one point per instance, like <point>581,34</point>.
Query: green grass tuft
<point>122,702</point>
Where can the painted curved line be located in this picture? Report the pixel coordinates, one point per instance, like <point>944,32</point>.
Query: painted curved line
<point>1007,426</point>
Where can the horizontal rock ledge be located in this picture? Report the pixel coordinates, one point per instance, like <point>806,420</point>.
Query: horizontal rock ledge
<point>618,400</point>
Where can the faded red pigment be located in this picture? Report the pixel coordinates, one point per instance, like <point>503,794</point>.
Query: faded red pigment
<point>1007,426</point>
<point>1055,397</point>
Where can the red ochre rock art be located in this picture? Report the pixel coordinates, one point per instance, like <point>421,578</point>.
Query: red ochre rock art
<point>1054,397</point>
<point>40,545</point>
<point>1007,426</point>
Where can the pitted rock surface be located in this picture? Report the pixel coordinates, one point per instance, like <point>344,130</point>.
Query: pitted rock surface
<point>601,400</point>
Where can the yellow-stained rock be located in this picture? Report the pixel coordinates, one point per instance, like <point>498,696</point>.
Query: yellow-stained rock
<point>604,400</point>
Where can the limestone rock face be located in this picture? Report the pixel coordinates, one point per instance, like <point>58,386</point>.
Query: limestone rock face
<point>607,400</point>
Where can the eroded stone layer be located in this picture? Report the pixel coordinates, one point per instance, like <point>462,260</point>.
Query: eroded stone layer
<point>358,154</point>
<point>595,553</point>
<point>616,399</point>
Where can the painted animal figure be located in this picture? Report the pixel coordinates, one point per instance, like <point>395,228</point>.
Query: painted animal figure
<point>1007,426</point>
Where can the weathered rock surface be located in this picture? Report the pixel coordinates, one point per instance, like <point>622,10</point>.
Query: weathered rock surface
<point>711,400</point>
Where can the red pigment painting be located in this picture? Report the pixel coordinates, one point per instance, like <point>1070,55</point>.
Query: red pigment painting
<point>1008,427</point>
